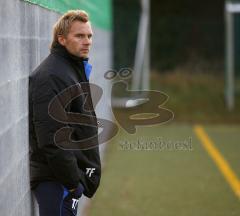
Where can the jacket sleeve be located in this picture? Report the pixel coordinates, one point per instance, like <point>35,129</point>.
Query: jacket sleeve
<point>63,163</point>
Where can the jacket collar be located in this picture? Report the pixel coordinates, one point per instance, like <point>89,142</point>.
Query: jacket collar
<point>61,50</point>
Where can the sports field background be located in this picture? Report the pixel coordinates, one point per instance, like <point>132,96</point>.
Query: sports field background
<point>187,59</point>
<point>200,178</point>
<point>188,64</point>
<point>169,182</point>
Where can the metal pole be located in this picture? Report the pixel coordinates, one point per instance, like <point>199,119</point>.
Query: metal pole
<point>229,57</point>
<point>142,49</point>
<point>146,61</point>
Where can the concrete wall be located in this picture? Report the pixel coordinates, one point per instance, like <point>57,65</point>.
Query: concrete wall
<point>25,35</point>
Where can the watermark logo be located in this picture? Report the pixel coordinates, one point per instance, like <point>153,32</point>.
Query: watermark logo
<point>157,144</point>
<point>145,108</point>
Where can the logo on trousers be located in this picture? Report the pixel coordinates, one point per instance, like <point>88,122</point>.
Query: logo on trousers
<point>74,203</point>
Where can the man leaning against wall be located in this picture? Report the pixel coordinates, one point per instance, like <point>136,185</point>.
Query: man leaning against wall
<point>60,176</point>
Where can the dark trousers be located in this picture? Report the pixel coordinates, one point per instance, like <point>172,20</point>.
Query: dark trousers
<point>54,200</point>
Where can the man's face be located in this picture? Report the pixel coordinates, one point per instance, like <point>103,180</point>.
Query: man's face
<point>79,39</point>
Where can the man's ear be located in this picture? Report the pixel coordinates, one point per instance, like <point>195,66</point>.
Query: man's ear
<point>61,40</point>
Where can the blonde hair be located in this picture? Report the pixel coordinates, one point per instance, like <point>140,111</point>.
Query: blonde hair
<point>63,25</point>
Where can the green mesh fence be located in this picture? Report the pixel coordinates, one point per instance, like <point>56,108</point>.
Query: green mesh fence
<point>100,11</point>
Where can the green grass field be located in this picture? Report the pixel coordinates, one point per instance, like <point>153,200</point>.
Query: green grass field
<point>168,181</point>
<point>197,97</point>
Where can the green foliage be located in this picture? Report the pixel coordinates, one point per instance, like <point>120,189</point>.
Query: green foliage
<point>184,29</point>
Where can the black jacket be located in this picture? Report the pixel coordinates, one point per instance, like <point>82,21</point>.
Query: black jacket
<point>49,162</point>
